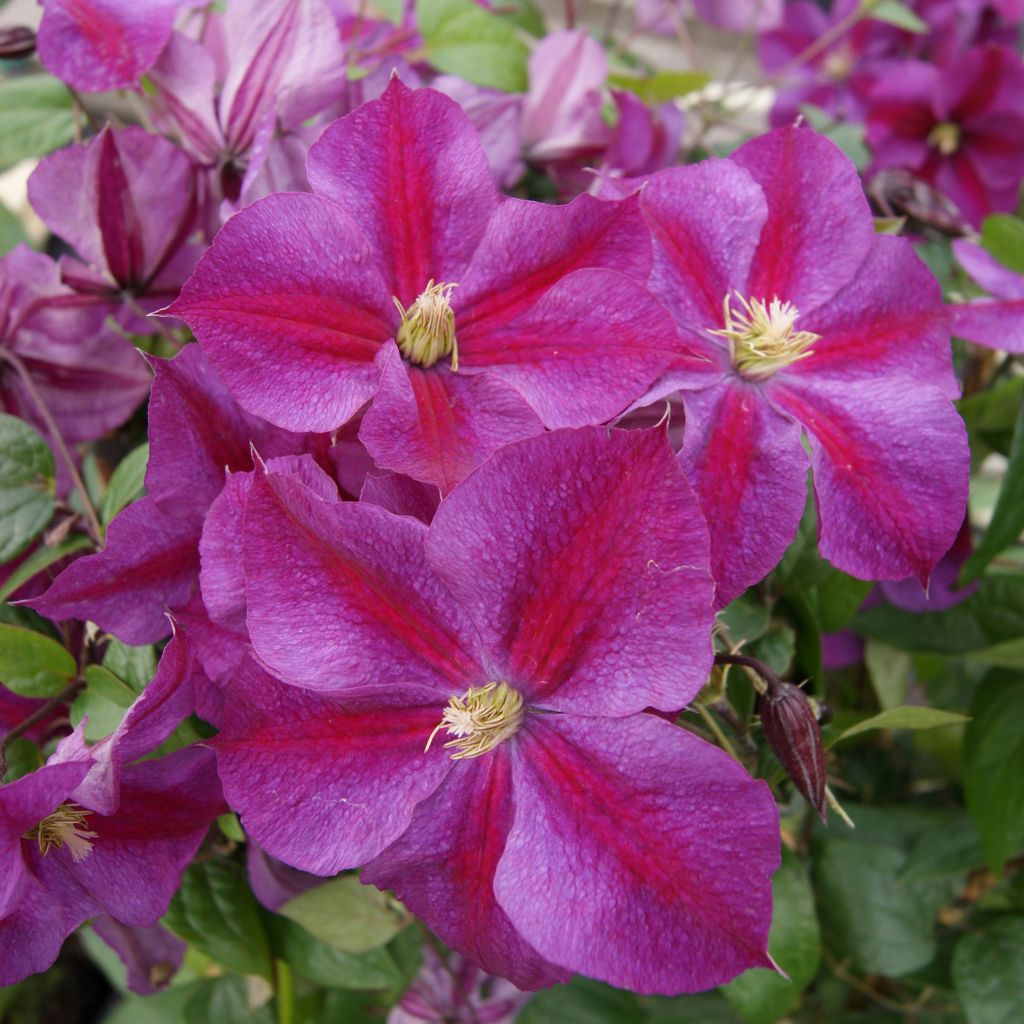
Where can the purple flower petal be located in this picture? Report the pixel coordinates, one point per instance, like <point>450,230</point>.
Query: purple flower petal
<point>152,956</point>
<point>606,830</point>
<point>590,585</point>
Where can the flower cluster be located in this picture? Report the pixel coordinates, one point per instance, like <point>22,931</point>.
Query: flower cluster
<point>446,486</point>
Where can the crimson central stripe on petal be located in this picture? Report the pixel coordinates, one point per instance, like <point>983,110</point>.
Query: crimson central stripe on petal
<point>639,854</point>
<point>443,867</point>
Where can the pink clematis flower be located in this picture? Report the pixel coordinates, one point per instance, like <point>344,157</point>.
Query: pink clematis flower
<point>732,15</point>
<point>470,321</point>
<point>998,321</point>
<point>96,45</point>
<point>132,208</point>
<point>470,725</point>
<point>959,127</point>
<point>813,324</point>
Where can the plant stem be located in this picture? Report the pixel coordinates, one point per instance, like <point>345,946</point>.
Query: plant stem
<point>720,738</point>
<point>284,993</point>
<point>771,679</point>
<point>58,440</point>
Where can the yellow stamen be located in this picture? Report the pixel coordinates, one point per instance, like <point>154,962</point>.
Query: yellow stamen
<point>480,719</point>
<point>64,827</point>
<point>945,137</point>
<point>762,339</point>
<point>427,331</point>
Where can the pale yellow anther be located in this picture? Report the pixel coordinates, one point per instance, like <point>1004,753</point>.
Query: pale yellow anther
<point>64,827</point>
<point>762,336</point>
<point>945,137</point>
<point>480,719</point>
<point>427,331</point>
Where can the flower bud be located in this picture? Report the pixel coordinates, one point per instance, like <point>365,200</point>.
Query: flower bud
<point>792,730</point>
<point>16,41</point>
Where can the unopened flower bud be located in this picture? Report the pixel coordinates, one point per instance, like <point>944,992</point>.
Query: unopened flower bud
<point>791,728</point>
<point>16,41</point>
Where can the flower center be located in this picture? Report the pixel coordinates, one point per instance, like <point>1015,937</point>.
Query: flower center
<point>839,63</point>
<point>64,827</point>
<point>480,719</point>
<point>945,137</point>
<point>427,331</point>
<point>762,339</point>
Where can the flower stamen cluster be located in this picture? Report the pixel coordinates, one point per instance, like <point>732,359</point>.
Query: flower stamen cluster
<point>761,336</point>
<point>480,719</point>
<point>427,331</point>
<point>64,827</point>
<point>945,137</point>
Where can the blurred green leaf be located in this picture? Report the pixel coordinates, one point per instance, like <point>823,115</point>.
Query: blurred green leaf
<point>11,231</point>
<point>988,972</point>
<point>950,848</point>
<point>661,86</point>
<point>583,1001</point>
<point>869,912</point>
<point>1008,515</point>
<point>895,13</point>
<point>775,648</point>
<point>215,911</point>
<point>889,672</point>
<point>838,598</point>
<point>23,756</point>
<point>464,39</point>
<point>762,996</point>
<point>40,559</point>
<point>33,665</point>
<point>125,483</point>
<point>225,1000</point>
<point>36,117</point>
<point>994,765</point>
<point>26,485</point>
<point>908,716</point>
<point>346,914</point>
<point>167,1007</point>
<point>1002,236</point>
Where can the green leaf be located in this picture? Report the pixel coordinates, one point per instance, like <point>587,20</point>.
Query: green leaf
<point>216,912</point>
<point>993,614</point>
<point>661,86</point>
<point>762,996</point>
<point>125,483</point>
<point>33,665</point>
<point>40,559</point>
<point>464,39</point>
<point>225,1000</point>
<point>104,715</point>
<point>908,716</point>
<point>775,648</point>
<point>582,1001</point>
<point>392,10</point>
<point>346,914</point>
<point>167,1007</point>
<point>839,597</point>
<point>26,485</point>
<point>36,117</point>
<point>895,13</point>
<point>988,972</point>
<point>994,410</point>
<point>745,618</point>
<point>869,912</point>
<point>1008,516</point>
<point>1002,236</point>
<point>135,666</point>
<point>949,849</point>
<point>23,756</point>
<point>993,772</point>
<point>11,231</point>
<point>102,681</point>
<point>889,671</point>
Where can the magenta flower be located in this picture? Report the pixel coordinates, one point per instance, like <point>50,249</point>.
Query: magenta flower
<point>959,127</point>
<point>732,15</point>
<point>813,324</point>
<point>458,992</point>
<point>65,861</point>
<point>126,203</point>
<point>470,322</point>
<point>150,563</point>
<point>96,45</point>
<point>57,352</point>
<point>470,721</point>
<point>997,322</point>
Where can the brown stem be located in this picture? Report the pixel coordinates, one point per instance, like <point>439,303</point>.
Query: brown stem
<point>58,440</point>
<point>35,718</point>
<point>771,679</point>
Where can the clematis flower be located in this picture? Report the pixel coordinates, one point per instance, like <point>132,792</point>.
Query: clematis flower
<point>150,563</point>
<point>283,62</point>
<point>56,352</point>
<point>732,15</point>
<point>96,45</point>
<point>959,127</point>
<point>151,956</point>
<point>457,991</point>
<point>132,207</point>
<point>470,725</point>
<point>998,321</point>
<point>815,325</point>
<point>469,321</point>
<point>65,862</point>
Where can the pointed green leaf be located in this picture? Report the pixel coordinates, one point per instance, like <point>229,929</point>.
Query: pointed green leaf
<point>33,665</point>
<point>909,716</point>
<point>125,483</point>
<point>36,117</point>
<point>26,485</point>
